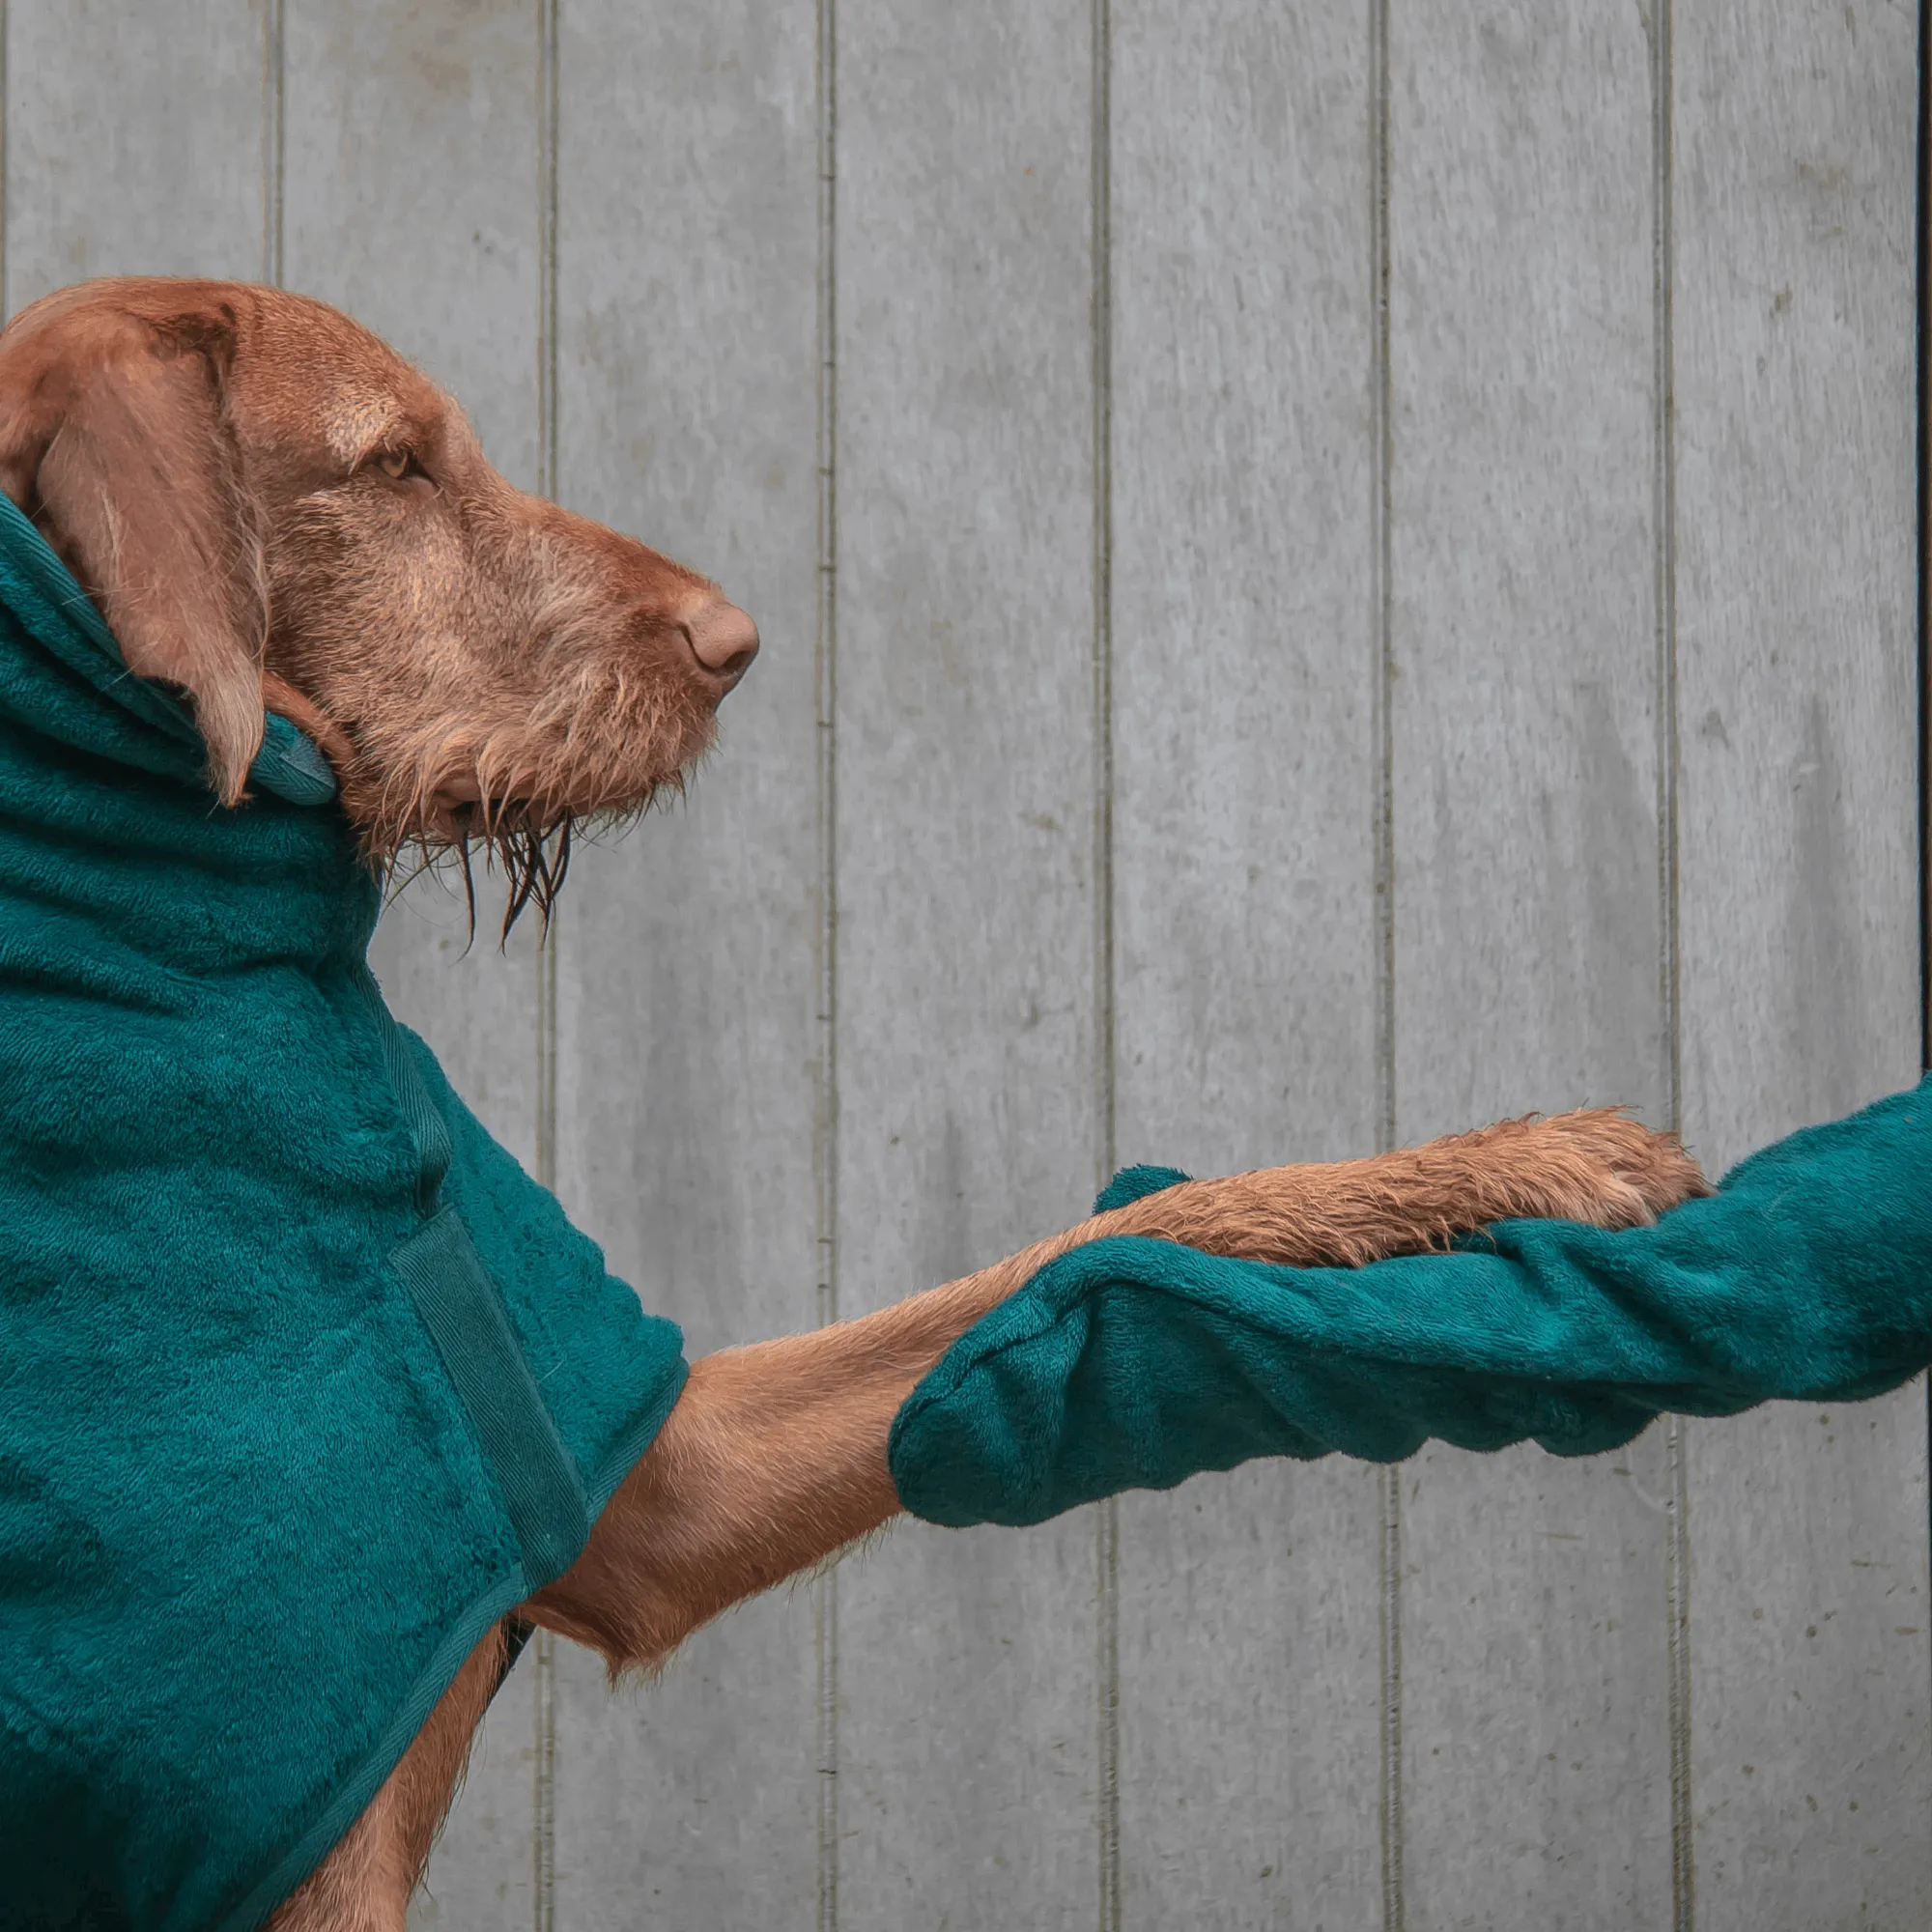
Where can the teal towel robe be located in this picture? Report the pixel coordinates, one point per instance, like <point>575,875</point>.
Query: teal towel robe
<point>304,1383</point>
<point>1133,1364</point>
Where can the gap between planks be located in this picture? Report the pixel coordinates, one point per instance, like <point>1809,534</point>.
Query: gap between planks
<point>543,1822</point>
<point>1381,682</point>
<point>825,1123</point>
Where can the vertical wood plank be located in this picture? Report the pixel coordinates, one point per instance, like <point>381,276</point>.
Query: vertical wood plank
<point>1245,766</point>
<point>965,750</point>
<point>1797,547</point>
<point>687,257</point>
<point>1528,910</point>
<point>409,200</point>
<point>134,141</point>
<point>411,194</point>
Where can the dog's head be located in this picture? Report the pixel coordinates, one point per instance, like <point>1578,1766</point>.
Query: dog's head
<point>270,506</point>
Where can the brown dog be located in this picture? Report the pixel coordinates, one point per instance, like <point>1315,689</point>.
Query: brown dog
<point>273,510</point>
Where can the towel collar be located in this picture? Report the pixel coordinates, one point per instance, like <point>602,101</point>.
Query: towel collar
<point>61,617</point>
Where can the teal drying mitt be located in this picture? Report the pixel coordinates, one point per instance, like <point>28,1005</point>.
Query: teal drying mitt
<point>304,1383</point>
<point>1133,1364</point>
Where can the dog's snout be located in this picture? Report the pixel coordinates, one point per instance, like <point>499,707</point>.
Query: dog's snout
<point>724,640</point>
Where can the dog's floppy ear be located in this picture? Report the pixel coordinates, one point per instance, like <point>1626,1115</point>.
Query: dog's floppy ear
<point>115,439</point>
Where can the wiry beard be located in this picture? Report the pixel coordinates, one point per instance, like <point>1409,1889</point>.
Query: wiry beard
<point>534,862</point>
<point>540,791</point>
<point>530,853</point>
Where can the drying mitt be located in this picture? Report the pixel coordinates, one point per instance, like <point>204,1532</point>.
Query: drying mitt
<point>1130,1363</point>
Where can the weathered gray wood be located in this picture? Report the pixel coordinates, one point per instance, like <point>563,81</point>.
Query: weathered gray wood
<point>407,200</point>
<point>1247,761</point>
<point>1795,553</point>
<point>688,1034</point>
<point>967,1778</point>
<point>411,197</point>
<point>134,141</point>
<point>1532,925</point>
<point>1528,903</point>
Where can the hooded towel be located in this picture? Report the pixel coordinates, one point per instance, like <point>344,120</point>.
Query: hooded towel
<point>303,1382</point>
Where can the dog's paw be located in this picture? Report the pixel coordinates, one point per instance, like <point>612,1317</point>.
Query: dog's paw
<point>1597,1165</point>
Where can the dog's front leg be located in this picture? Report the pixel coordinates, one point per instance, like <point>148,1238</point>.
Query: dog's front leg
<point>774,1458</point>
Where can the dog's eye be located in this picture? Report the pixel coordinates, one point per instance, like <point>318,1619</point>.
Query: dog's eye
<point>398,463</point>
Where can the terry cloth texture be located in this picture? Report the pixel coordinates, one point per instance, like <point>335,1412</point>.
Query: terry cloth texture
<point>1133,1364</point>
<point>304,1383</point>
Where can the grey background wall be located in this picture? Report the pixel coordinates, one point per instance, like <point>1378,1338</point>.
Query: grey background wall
<point>1330,571</point>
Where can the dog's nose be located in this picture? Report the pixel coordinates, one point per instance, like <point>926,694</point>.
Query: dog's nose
<point>724,640</point>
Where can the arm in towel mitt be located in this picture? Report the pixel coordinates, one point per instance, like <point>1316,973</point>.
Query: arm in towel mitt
<point>1133,1364</point>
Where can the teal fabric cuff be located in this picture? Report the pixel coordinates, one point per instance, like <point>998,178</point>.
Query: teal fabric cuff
<point>1135,1364</point>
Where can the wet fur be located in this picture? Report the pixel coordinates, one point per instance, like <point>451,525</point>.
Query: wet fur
<point>484,668</point>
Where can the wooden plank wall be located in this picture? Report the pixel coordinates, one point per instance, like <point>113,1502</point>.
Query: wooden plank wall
<point>1330,571</point>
